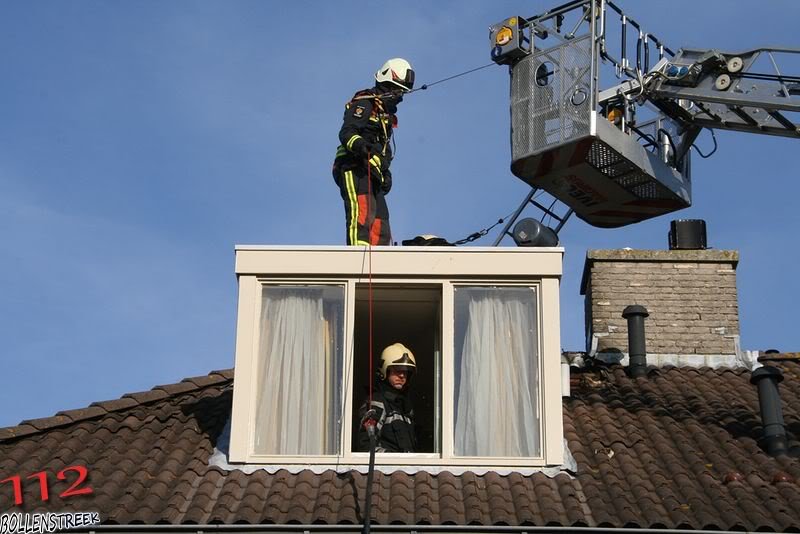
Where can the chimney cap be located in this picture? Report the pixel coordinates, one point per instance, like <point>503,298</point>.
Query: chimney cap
<point>766,372</point>
<point>633,310</point>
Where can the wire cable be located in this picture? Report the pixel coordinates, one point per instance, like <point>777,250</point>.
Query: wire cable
<point>424,86</point>
<point>480,233</point>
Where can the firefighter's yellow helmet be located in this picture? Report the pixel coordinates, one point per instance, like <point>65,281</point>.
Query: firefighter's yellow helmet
<point>397,355</point>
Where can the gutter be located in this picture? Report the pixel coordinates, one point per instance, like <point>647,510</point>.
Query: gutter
<point>407,529</point>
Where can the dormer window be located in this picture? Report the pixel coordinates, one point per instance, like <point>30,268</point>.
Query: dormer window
<point>482,324</point>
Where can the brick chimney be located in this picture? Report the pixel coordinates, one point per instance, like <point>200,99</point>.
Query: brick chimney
<point>690,295</point>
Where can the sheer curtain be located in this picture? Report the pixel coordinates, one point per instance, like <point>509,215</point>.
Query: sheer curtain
<point>300,363</point>
<point>496,372</point>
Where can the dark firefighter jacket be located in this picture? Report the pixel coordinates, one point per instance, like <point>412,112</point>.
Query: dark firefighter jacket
<point>367,129</point>
<point>395,421</point>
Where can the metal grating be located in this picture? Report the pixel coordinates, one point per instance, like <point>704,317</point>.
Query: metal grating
<point>630,177</point>
<point>545,115</point>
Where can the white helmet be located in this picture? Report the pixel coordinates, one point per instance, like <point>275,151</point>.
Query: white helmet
<point>397,71</point>
<point>397,355</point>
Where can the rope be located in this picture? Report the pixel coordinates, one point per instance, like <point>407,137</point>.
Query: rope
<point>426,85</point>
<point>369,241</point>
<point>373,437</point>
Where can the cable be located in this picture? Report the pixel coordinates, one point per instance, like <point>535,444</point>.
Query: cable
<point>371,428</point>
<point>399,92</point>
<point>549,212</point>
<point>394,94</point>
<point>714,137</point>
<point>369,241</point>
<point>480,233</point>
<point>426,85</point>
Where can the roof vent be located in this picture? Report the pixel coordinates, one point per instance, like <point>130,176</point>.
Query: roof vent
<point>687,234</point>
<point>769,400</point>
<point>637,352</point>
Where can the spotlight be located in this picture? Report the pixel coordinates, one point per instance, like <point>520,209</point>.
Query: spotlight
<point>532,233</point>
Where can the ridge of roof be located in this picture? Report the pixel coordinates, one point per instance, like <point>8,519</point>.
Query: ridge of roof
<point>125,402</point>
<point>778,356</point>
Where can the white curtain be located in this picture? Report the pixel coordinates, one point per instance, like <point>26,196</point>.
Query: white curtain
<point>299,353</point>
<point>496,372</point>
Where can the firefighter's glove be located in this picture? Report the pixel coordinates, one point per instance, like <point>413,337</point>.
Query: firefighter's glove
<point>359,147</point>
<point>370,421</point>
<point>386,186</point>
<point>377,167</point>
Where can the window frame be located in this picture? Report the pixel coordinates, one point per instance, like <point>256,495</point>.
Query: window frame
<point>548,396</point>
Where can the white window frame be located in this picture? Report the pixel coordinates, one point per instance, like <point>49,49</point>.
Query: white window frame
<point>247,343</point>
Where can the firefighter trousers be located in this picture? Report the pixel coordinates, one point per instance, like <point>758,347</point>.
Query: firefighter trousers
<point>366,212</point>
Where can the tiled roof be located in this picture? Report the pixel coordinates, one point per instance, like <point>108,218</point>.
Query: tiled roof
<point>677,449</point>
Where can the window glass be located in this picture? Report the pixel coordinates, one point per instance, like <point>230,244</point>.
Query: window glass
<point>496,372</point>
<point>298,410</point>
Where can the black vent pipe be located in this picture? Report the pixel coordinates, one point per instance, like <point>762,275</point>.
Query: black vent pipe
<point>637,351</point>
<point>769,401</point>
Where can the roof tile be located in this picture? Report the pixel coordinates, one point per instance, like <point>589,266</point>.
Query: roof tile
<point>18,431</point>
<point>47,422</point>
<point>115,404</point>
<point>226,374</point>
<point>143,397</point>
<point>174,389</point>
<point>206,380</point>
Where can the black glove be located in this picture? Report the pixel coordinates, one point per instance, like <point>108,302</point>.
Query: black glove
<point>386,186</point>
<point>361,149</point>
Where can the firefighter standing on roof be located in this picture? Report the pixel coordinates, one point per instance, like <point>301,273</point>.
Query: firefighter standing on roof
<point>361,168</point>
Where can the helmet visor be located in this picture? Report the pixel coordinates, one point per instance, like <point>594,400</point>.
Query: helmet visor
<point>407,369</point>
<point>407,81</point>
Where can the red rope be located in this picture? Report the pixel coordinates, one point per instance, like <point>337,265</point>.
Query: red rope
<point>369,240</point>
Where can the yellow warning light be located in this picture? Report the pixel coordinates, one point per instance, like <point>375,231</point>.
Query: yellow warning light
<point>512,21</point>
<point>615,115</point>
<point>504,36</point>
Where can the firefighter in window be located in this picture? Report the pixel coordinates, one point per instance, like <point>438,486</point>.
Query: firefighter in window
<point>390,412</point>
<point>361,168</point>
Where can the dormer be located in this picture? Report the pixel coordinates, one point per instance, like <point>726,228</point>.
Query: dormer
<point>483,324</point>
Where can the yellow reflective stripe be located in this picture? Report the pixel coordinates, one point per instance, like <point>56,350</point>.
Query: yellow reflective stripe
<point>351,141</point>
<point>376,164</point>
<point>341,151</point>
<point>351,193</point>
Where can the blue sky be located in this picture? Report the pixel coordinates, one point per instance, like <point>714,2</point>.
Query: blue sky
<point>139,141</point>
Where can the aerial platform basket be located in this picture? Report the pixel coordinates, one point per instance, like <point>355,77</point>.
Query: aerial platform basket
<point>560,143</point>
<point>621,155</point>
